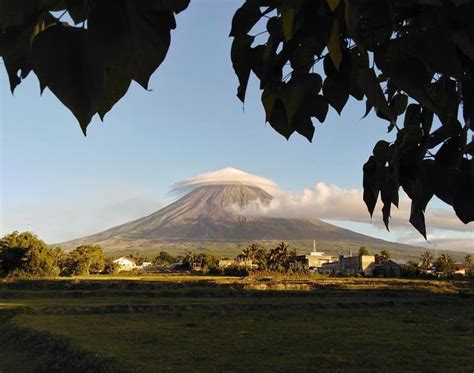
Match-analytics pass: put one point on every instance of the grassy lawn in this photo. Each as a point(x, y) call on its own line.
point(217, 324)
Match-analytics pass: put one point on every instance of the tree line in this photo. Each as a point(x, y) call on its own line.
point(25, 255)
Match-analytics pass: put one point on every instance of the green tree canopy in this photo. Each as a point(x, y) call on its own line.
point(164, 258)
point(281, 256)
point(384, 256)
point(24, 254)
point(84, 260)
point(363, 251)
point(409, 61)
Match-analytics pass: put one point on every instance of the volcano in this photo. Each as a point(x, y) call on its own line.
point(210, 214)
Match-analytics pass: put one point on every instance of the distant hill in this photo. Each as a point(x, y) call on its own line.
point(205, 216)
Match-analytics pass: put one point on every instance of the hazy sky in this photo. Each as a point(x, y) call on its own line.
point(61, 185)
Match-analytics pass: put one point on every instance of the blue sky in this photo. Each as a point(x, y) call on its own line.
point(190, 122)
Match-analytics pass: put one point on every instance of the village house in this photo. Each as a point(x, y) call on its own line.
point(239, 260)
point(224, 263)
point(350, 266)
point(460, 269)
point(125, 264)
point(389, 268)
point(315, 259)
point(144, 265)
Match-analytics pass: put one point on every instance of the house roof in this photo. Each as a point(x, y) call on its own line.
point(399, 261)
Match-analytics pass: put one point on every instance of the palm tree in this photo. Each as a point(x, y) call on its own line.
point(281, 255)
point(468, 261)
point(251, 251)
point(190, 258)
point(384, 256)
point(426, 260)
point(445, 263)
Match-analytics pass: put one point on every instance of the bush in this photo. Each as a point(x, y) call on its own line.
point(216, 270)
point(110, 267)
point(298, 268)
point(236, 270)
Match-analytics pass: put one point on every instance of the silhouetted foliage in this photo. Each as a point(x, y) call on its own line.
point(410, 61)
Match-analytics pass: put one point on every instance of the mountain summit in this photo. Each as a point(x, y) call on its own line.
point(208, 213)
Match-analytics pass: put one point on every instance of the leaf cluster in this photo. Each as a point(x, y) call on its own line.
point(412, 62)
point(90, 64)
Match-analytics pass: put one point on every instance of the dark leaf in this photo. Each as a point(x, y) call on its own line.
point(426, 120)
point(134, 39)
point(288, 17)
point(78, 9)
point(335, 93)
point(451, 152)
point(417, 218)
point(16, 12)
point(317, 106)
point(381, 151)
point(117, 85)
point(297, 89)
point(242, 60)
point(412, 117)
point(275, 28)
point(371, 88)
point(17, 48)
point(62, 62)
point(371, 184)
point(279, 120)
point(464, 198)
point(304, 127)
point(445, 97)
point(389, 194)
point(468, 102)
point(269, 96)
point(334, 44)
point(245, 18)
point(368, 108)
point(452, 128)
point(399, 103)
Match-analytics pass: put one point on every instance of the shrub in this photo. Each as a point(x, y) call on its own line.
point(216, 270)
point(236, 270)
point(110, 267)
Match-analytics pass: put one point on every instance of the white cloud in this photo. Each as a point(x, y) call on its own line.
point(336, 203)
point(227, 175)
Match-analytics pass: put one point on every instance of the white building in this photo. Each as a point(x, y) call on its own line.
point(144, 265)
point(125, 263)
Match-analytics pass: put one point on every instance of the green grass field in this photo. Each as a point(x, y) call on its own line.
point(204, 323)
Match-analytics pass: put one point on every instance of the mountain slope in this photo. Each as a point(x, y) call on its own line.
point(208, 214)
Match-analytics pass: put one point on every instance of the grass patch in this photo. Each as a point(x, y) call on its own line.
point(230, 324)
